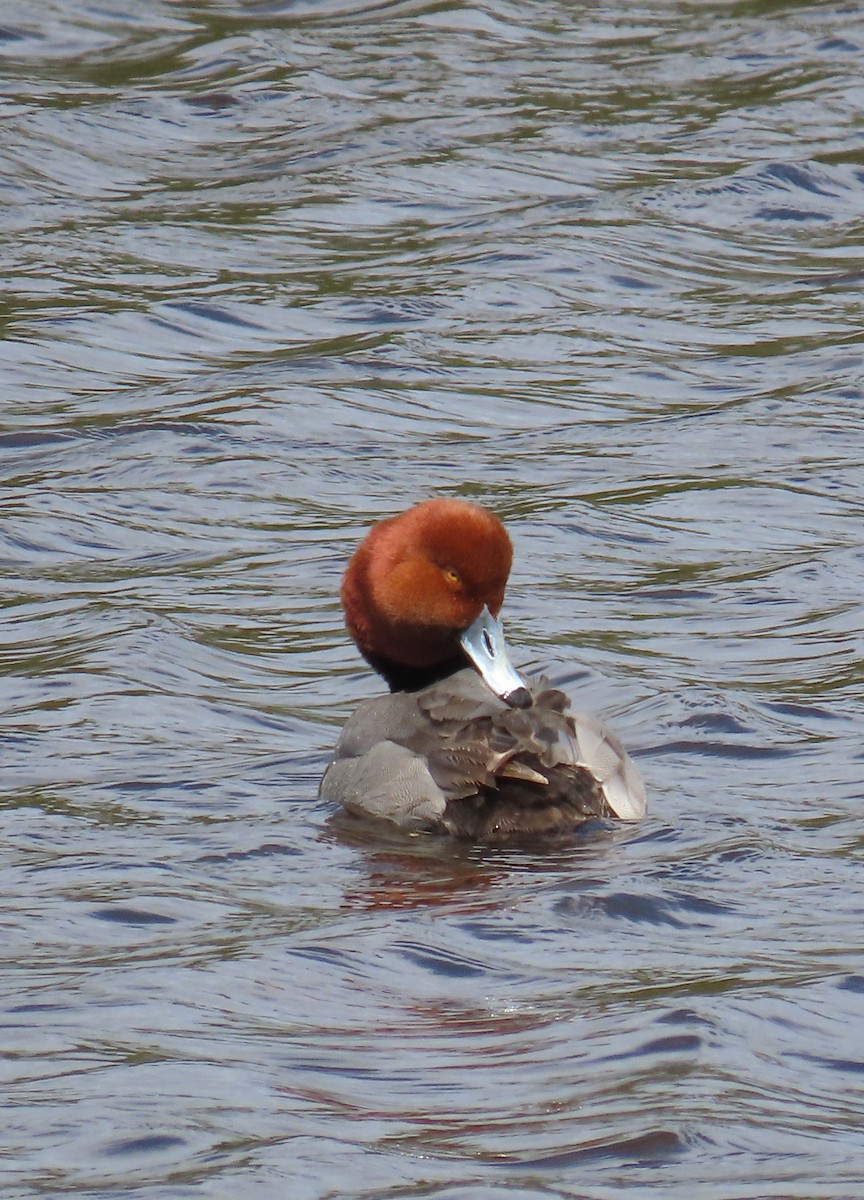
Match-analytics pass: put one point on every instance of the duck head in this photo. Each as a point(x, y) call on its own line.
point(422, 595)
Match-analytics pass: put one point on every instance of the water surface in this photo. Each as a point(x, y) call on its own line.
point(273, 271)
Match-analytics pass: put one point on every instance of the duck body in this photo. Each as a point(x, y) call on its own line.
point(475, 751)
point(454, 758)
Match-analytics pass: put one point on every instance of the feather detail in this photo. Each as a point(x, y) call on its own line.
point(517, 770)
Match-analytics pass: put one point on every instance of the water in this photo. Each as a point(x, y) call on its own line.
point(273, 271)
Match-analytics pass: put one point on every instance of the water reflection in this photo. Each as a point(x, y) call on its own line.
point(421, 871)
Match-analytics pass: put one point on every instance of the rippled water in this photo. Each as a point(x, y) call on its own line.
point(273, 271)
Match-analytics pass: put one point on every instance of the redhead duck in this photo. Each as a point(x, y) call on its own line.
point(463, 744)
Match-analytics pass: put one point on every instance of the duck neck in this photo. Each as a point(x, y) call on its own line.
point(400, 678)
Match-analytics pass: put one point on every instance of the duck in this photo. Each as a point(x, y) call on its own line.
point(463, 744)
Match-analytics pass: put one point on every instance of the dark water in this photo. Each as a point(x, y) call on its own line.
point(275, 270)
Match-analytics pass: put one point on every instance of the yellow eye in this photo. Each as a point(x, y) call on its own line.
point(452, 576)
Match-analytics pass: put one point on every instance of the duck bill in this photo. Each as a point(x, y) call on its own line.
point(484, 644)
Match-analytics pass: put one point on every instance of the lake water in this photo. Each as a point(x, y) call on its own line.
point(273, 271)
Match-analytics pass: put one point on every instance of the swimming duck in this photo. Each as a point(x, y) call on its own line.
point(463, 744)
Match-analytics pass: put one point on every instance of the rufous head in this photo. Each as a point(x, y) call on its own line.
point(419, 580)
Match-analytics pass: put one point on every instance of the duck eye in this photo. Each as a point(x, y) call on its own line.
point(452, 576)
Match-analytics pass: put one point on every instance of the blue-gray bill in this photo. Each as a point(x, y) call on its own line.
point(484, 643)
